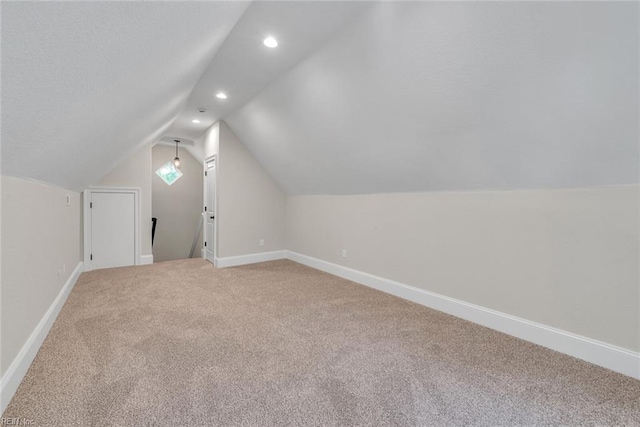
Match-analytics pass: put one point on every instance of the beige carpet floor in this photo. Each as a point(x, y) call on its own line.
point(182, 343)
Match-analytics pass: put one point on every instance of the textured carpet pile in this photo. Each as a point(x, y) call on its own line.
point(182, 343)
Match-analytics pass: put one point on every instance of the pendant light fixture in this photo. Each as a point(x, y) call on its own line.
point(176, 161)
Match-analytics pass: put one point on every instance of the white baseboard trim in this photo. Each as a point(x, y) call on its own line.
point(617, 359)
point(146, 259)
point(18, 368)
point(233, 261)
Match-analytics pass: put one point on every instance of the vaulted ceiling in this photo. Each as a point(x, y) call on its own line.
point(85, 84)
point(359, 97)
point(457, 96)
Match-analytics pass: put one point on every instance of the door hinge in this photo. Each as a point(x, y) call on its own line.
point(91, 257)
point(90, 205)
point(205, 173)
point(205, 243)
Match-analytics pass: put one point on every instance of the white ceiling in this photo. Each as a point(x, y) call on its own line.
point(359, 97)
point(457, 96)
point(85, 84)
point(243, 66)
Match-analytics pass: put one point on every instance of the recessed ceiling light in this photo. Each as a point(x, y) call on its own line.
point(270, 42)
point(195, 121)
point(221, 95)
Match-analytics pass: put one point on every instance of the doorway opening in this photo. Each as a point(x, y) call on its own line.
point(176, 203)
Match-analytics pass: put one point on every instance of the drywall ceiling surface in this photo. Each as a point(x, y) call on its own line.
point(85, 84)
point(243, 65)
point(456, 96)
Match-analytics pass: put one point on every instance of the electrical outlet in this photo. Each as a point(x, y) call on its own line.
point(261, 242)
point(344, 253)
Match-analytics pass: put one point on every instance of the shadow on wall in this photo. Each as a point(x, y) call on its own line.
point(178, 207)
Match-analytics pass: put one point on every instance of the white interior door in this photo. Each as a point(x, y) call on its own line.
point(211, 212)
point(112, 229)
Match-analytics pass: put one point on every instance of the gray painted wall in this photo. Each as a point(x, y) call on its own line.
point(250, 205)
point(563, 258)
point(40, 235)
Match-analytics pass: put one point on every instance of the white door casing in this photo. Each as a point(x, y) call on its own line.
point(210, 249)
point(111, 227)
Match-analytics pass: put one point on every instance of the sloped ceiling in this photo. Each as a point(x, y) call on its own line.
point(243, 66)
point(457, 96)
point(85, 84)
point(358, 97)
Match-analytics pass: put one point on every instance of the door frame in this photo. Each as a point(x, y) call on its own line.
point(206, 203)
point(86, 198)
